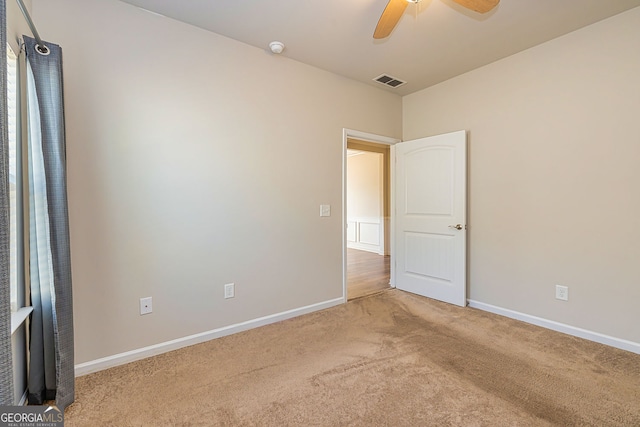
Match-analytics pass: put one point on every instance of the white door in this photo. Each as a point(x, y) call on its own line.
point(430, 228)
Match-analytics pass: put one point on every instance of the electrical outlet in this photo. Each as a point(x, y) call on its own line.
point(146, 305)
point(229, 290)
point(325, 210)
point(562, 293)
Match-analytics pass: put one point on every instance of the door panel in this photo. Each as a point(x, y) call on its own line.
point(431, 201)
point(432, 164)
point(424, 256)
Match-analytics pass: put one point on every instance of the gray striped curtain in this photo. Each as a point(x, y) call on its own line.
point(51, 368)
point(6, 365)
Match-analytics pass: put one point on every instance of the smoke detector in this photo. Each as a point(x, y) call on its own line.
point(276, 47)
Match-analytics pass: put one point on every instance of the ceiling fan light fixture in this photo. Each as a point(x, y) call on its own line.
point(394, 10)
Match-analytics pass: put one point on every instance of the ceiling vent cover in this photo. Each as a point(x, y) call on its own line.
point(390, 81)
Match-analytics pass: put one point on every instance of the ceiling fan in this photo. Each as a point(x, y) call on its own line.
point(395, 8)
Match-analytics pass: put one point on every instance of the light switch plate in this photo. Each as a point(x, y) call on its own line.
point(325, 210)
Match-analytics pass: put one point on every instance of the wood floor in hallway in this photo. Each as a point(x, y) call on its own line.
point(367, 273)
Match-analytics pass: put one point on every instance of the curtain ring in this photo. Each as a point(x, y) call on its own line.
point(42, 50)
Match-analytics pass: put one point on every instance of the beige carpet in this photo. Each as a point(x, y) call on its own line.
point(391, 359)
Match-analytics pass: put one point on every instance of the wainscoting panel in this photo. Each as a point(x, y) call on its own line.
point(366, 234)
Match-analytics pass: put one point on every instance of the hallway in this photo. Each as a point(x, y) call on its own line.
point(367, 273)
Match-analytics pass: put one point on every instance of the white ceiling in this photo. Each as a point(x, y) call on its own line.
point(434, 41)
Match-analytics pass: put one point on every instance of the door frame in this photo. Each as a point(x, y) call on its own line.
point(382, 140)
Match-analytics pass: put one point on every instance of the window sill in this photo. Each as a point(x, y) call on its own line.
point(18, 317)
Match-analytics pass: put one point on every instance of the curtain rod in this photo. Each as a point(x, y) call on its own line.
point(40, 47)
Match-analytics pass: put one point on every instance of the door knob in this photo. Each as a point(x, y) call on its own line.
point(457, 226)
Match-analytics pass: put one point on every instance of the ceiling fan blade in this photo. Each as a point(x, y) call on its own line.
point(480, 6)
point(389, 18)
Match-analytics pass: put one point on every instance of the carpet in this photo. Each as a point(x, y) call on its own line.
point(390, 359)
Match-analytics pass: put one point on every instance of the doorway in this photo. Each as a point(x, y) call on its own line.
point(428, 180)
point(368, 250)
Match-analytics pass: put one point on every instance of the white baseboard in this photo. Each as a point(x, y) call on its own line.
point(622, 344)
point(364, 247)
point(153, 350)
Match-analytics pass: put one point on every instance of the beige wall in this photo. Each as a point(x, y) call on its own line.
point(554, 147)
point(188, 168)
point(364, 185)
point(195, 161)
point(16, 24)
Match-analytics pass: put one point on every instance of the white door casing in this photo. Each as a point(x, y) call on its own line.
point(378, 139)
point(430, 220)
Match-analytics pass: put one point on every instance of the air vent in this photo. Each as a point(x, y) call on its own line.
point(390, 81)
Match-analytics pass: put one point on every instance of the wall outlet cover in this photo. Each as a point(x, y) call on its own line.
point(229, 290)
point(146, 305)
point(562, 293)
